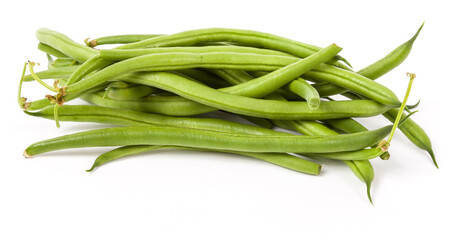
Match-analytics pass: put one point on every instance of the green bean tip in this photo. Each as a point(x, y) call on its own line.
point(26, 155)
point(92, 168)
point(385, 156)
point(432, 155)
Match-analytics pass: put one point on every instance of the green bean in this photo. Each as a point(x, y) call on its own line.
point(283, 160)
point(63, 62)
point(254, 107)
point(119, 39)
point(204, 77)
point(298, 87)
point(379, 68)
point(252, 62)
point(391, 61)
point(125, 91)
point(121, 117)
point(65, 45)
point(55, 73)
point(188, 137)
point(92, 64)
point(123, 54)
point(243, 37)
point(50, 50)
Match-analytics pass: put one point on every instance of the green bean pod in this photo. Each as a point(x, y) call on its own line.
point(65, 45)
point(125, 91)
point(188, 137)
point(54, 73)
point(119, 39)
point(280, 159)
point(121, 117)
point(213, 99)
point(123, 54)
point(248, 62)
point(50, 50)
point(242, 37)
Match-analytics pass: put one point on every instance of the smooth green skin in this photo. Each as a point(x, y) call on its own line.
point(91, 113)
point(378, 68)
point(240, 61)
point(65, 45)
point(410, 129)
point(176, 61)
point(204, 77)
point(270, 109)
point(91, 65)
point(120, 39)
point(123, 54)
point(414, 133)
point(54, 73)
point(283, 160)
point(86, 113)
point(304, 90)
point(129, 92)
point(63, 62)
point(188, 137)
point(298, 87)
point(390, 61)
point(50, 50)
point(242, 37)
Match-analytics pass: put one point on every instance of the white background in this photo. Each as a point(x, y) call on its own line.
point(184, 195)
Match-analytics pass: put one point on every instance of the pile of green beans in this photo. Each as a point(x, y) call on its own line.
point(221, 90)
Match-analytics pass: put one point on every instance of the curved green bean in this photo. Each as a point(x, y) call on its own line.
point(280, 159)
point(123, 54)
point(65, 45)
point(188, 137)
point(242, 37)
point(119, 39)
point(252, 62)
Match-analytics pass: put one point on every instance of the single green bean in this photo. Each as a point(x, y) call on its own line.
point(50, 50)
point(121, 117)
point(188, 137)
point(123, 54)
point(65, 45)
point(126, 91)
point(55, 73)
point(119, 39)
point(283, 160)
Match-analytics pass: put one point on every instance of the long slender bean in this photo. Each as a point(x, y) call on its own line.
point(188, 137)
point(173, 61)
point(65, 45)
point(119, 39)
point(280, 159)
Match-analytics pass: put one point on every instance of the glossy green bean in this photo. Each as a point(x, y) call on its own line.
point(242, 37)
point(119, 39)
point(378, 68)
point(122, 117)
point(50, 50)
point(125, 91)
point(255, 107)
point(65, 45)
point(55, 73)
point(188, 137)
point(283, 160)
point(252, 62)
point(122, 54)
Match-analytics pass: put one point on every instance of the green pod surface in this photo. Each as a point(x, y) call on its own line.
point(188, 137)
point(280, 159)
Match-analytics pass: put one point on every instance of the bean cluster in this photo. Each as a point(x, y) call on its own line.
point(172, 91)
